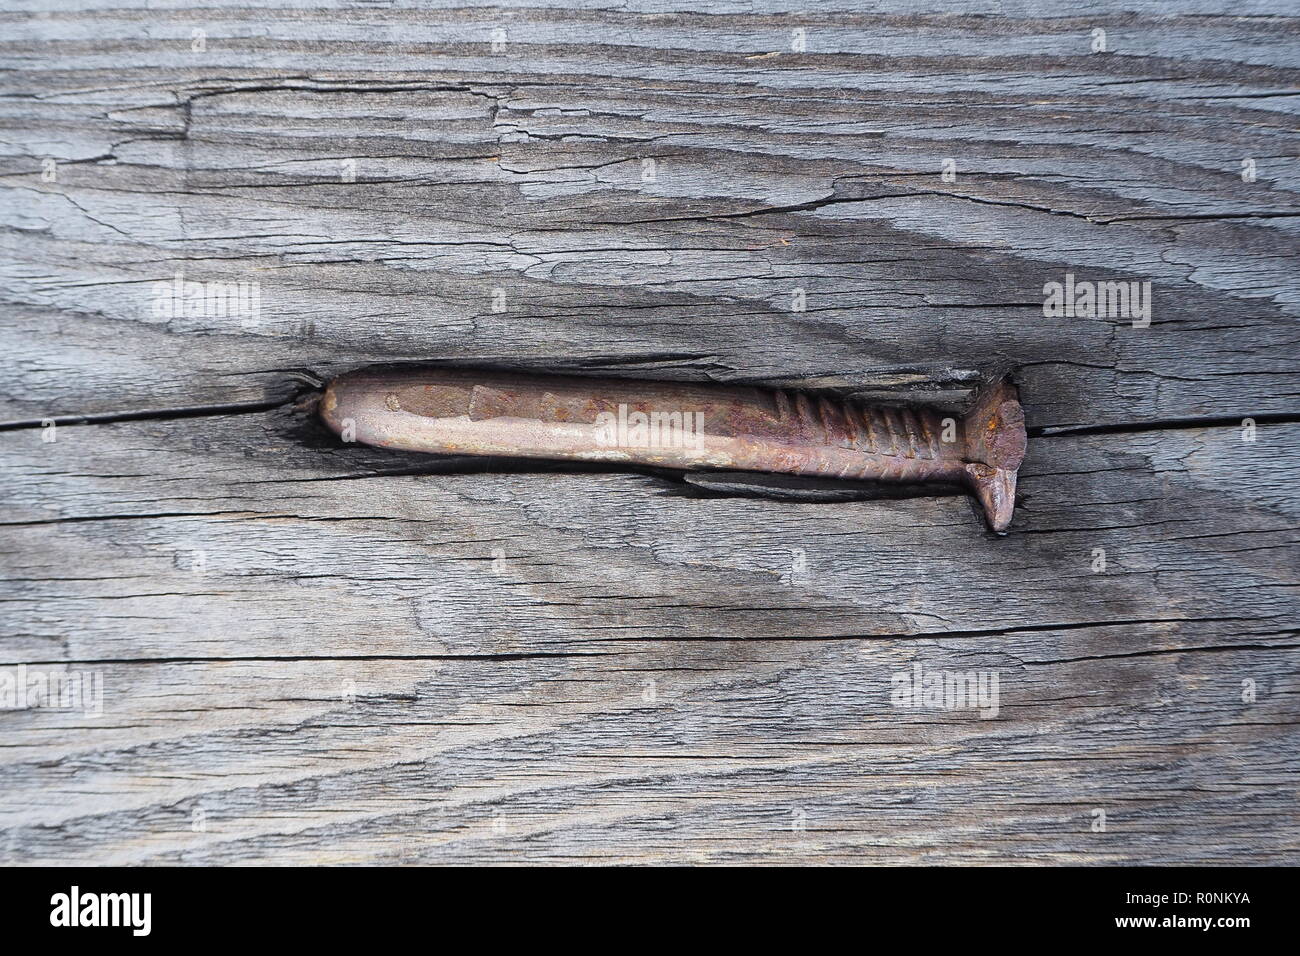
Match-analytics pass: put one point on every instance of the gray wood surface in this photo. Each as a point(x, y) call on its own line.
point(317, 652)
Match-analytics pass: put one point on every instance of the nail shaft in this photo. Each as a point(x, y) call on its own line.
point(672, 425)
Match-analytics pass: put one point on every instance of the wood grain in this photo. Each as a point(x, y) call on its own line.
point(317, 652)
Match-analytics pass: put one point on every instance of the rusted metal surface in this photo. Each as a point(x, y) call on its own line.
point(672, 425)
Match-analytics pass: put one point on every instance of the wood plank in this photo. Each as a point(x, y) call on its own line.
point(686, 752)
point(521, 175)
point(509, 713)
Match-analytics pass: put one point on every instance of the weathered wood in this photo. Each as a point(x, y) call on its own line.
point(339, 654)
point(773, 171)
point(501, 705)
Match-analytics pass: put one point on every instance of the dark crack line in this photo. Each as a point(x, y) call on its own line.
point(166, 414)
point(307, 659)
point(1166, 424)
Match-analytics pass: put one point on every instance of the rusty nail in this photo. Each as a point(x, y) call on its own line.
point(690, 427)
